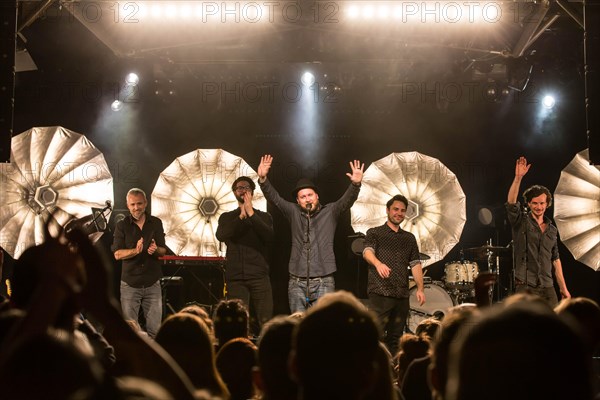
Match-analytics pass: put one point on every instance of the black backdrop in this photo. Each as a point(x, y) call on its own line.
point(477, 138)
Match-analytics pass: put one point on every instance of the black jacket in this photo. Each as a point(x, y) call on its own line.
point(247, 241)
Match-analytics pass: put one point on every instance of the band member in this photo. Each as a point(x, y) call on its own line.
point(312, 260)
point(248, 233)
point(139, 240)
point(391, 251)
point(535, 240)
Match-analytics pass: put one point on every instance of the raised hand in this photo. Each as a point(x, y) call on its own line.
point(264, 166)
point(97, 296)
point(521, 167)
point(65, 267)
point(357, 171)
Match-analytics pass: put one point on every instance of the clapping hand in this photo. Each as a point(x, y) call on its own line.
point(139, 245)
point(247, 205)
point(152, 248)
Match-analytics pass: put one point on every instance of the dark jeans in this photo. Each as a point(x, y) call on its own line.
point(548, 294)
point(258, 297)
point(392, 313)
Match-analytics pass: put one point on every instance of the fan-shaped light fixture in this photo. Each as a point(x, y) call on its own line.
point(53, 171)
point(577, 209)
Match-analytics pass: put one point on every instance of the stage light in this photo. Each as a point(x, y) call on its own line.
point(398, 12)
point(491, 216)
point(171, 11)
point(382, 12)
point(485, 216)
point(307, 79)
point(353, 12)
point(185, 11)
point(156, 11)
point(132, 79)
point(368, 12)
point(116, 105)
point(548, 102)
point(491, 92)
point(142, 10)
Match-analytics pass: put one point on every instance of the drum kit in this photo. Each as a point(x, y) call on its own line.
point(457, 286)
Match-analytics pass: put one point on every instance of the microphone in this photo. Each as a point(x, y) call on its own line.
point(439, 315)
point(308, 206)
point(108, 206)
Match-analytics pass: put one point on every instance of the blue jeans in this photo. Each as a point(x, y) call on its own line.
point(150, 298)
point(258, 297)
point(317, 287)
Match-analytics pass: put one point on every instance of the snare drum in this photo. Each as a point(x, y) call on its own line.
point(437, 303)
point(460, 275)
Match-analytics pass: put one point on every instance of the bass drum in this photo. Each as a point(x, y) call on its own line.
point(437, 303)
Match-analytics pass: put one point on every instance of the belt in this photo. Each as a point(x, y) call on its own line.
point(311, 278)
point(538, 286)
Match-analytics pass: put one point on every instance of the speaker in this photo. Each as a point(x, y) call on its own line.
point(8, 35)
point(173, 296)
point(591, 17)
point(117, 214)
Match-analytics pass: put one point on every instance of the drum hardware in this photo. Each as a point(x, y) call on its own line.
point(421, 314)
point(437, 303)
point(411, 281)
point(487, 249)
point(491, 254)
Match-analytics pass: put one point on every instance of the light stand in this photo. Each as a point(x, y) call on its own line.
point(307, 244)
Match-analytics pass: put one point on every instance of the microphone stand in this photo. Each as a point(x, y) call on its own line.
point(101, 213)
point(307, 243)
point(526, 258)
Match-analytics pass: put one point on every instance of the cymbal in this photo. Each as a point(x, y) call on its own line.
point(487, 248)
point(423, 257)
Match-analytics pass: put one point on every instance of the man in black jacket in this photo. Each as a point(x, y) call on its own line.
point(248, 232)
